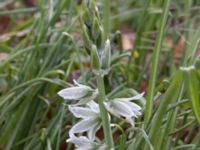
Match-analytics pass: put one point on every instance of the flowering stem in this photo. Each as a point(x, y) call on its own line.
point(106, 17)
point(104, 114)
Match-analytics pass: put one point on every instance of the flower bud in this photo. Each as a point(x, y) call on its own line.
point(95, 59)
point(106, 56)
point(86, 38)
point(100, 39)
point(96, 12)
point(87, 19)
point(95, 29)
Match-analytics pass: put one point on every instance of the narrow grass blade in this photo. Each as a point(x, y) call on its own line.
point(155, 59)
point(170, 96)
point(193, 88)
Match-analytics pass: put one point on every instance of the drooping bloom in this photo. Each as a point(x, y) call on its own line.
point(83, 143)
point(91, 120)
point(81, 93)
point(124, 107)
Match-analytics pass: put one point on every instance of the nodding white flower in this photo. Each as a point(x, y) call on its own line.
point(80, 92)
point(91, 120)
point(124, 107)
point(83, 143)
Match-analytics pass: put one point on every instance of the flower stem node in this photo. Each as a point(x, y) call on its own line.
point(187, 69)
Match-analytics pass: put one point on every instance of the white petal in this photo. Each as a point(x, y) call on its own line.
point(82, 126)
point(139, 96)
point(121, 108)
point(93, 130)
point(87, 99)
point(94, 106)
point(110, 108)
point(103, 147)
point(137, 113)
point(82, 112)
point(130, 120)
point(81, 142)
point(132, 105)
point(75, 93)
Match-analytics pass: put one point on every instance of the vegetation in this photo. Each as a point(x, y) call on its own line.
point(142, 54)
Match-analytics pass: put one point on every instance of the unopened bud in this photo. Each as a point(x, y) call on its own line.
point(106, 56)
point(95, 29)
point(96, 12)
point(101, 37)
point(95, 58)
point(87, 19)
point(86, 38)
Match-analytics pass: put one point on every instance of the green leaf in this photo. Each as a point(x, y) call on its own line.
point(192, 80)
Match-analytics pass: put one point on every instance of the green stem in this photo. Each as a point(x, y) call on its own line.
point(104, 114)
point(106, 17)
point(155, 60)
point(187, 7)
point(170, 96)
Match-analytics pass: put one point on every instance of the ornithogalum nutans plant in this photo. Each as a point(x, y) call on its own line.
point(94, 109)
point(92, 105)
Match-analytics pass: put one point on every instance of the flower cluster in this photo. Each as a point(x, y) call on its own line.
point(93, 115)
point(88, 111)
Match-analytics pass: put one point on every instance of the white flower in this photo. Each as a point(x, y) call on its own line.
point(83, 143)
point(80, 92)
point(91, 120)
point(124, 107)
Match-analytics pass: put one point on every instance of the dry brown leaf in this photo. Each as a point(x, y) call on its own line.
point(127, 38)
point(178, 50)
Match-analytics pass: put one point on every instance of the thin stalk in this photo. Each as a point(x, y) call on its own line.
point(155, 59)
point(186, 125)
point(147, 28)
point(106, 17)
point(188, 7)
point(17, 11)
point(190, 50)
point(170, 96)
point(179, 134)
point(171, 123)
point(171, 120)
point(104, 114)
